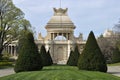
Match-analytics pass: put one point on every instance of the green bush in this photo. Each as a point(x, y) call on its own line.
point(6, 56)
point(92, 58)
point(29, 58)
point(73, 58)
point(46, 58)
point(70, 59)
point(50, 62)
point(5, 63)
point(1, 57)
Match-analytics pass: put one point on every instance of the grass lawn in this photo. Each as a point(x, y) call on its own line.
point(115, 64)
point(60, 73)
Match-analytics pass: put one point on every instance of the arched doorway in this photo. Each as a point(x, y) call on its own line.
point(60, 55)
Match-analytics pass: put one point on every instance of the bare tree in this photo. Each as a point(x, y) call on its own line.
point(106, 45)
point(116, 28)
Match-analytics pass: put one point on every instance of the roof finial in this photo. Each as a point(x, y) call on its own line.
point(60, 3)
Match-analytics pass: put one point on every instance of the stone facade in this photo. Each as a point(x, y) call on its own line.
point(108, 33)
point(12, 49)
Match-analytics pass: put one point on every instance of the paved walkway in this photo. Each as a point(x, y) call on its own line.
point(5, 72)
point(115, 70)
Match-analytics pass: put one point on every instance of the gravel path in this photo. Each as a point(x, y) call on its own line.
point(115, 70)
point(5, 72)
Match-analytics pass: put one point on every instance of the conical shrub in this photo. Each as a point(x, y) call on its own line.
point(50, 62)
point(73, 58)
point(29, 58)
point(46, 58)
point(70, 59)
point(92, 58)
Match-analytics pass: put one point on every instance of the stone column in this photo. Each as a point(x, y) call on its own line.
point(53, 36)
point(62, 35)
point(68, 49)
point(15, 51)
point(67, 36)
point(11, 50)
point(8, 49)
point(58, 35)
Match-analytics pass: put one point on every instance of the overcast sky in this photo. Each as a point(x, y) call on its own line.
point(87, 15)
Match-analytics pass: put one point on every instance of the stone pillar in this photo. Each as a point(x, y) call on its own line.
point(68, 36)
point(53, 36)
point(68, 49)
point(11, 50)
point(15, 51)
point(8, 49)
point(58, 35)
point(62, 35)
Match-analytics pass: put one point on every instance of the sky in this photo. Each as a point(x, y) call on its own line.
point(87, 15)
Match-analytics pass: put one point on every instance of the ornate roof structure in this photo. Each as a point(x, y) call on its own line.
point(60, 19)
point(108, 33)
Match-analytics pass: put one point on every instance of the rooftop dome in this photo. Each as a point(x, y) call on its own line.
point(60, 18)
point(108, 33)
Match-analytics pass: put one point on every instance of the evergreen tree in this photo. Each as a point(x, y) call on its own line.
point(92, 58)
point(116, 55)
point(50, 62)
point(73, 58)
point(70, 59)
point(43, 55)
point(46, 58)
point(29, 58)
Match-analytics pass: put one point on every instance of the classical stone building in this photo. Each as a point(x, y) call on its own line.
point(60, 39)
point(108, 33)
point(12, 49)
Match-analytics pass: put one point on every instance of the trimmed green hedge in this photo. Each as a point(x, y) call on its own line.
point(29, 58)
point(6, 63)
point(92, 58)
